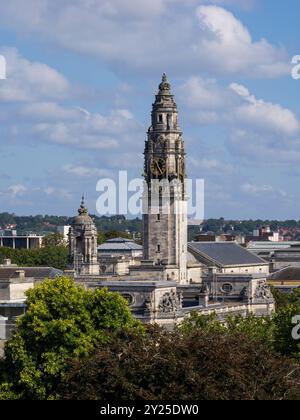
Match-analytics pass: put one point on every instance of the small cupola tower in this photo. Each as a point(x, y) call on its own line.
point(83, 244)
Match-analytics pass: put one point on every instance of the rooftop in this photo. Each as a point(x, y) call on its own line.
point(225, 253)
point(9, 272)
point(120, 244)
point(286, 274)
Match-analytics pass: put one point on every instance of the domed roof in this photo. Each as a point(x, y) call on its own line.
point(83, 217)
point(165, 86)
point(83, 220)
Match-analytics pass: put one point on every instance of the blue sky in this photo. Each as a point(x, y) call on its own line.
point(81, 77)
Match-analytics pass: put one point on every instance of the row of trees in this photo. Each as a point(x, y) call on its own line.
point(246, 227)
point(54, 252)
point(74, 343)
point(50, 256)
point(42, 224)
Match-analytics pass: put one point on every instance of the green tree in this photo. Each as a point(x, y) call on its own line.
point(54, 239)
point(51, 256)
point(256, 328)
point(205, 323)
point(162, 365)
point(101, 238)
point(281, 299)
point(112, 234)
point(62, 321)
point(285, 343)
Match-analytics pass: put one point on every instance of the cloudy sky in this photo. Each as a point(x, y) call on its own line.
point(81, 77)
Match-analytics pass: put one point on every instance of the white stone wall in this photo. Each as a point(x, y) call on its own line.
point(14, 291)
point(246, 270)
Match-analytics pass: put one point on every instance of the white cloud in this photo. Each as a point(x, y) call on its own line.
point(84, 171)
point(264, 115)
point(28, 81)
point(86, 131)
point(243, 4)
point(143, 35)
point(236, 106)
point(38, 112)
point(257, 130)
point(262, 189)
point(211, 165)
point(49, 111)
point(16, 190)
point(56, 192)
point(230, 45)
point(205, 94)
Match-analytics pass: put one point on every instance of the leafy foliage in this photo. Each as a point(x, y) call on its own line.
point(62, 321)
point(43, 224)
point(163, 365)
point(50, 256)
point(284, 341)
point(260, 329)
point(54, 239)
point(105, 236)
point(288, 306)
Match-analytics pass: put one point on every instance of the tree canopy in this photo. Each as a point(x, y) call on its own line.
point(162, 365)
point(50, 256)
point(63, 321)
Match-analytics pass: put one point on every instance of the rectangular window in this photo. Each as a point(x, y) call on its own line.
point(158, 248)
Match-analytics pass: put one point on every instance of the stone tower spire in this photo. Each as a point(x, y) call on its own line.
point(82, 209)
point(165, 232)
point(83, 255)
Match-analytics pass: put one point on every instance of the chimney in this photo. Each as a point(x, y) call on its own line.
point(19, 274)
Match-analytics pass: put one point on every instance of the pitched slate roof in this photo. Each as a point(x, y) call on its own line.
point(35, 272)
point(119, 244)
point(286, 274)
point(225, 253)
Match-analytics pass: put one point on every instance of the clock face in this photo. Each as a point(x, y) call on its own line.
point(158, 167)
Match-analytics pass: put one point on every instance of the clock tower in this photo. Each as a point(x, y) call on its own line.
point(164, 201)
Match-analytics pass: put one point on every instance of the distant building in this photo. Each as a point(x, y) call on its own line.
point(64, 230)
point(14, 282)
point(117, 255)
point(21, 242)
point(264, 233)
point(120, 247)
point(278, 254)
point(228, 258)
point(286, 280)
point(240, 239)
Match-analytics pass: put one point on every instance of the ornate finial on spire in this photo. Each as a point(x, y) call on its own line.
point(165, 85)
point(82, 210)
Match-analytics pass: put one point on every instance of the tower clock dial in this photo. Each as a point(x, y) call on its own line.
point(158, 167)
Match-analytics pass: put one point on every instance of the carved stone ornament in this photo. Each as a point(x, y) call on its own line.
point(263, 291)
point(170, 302)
